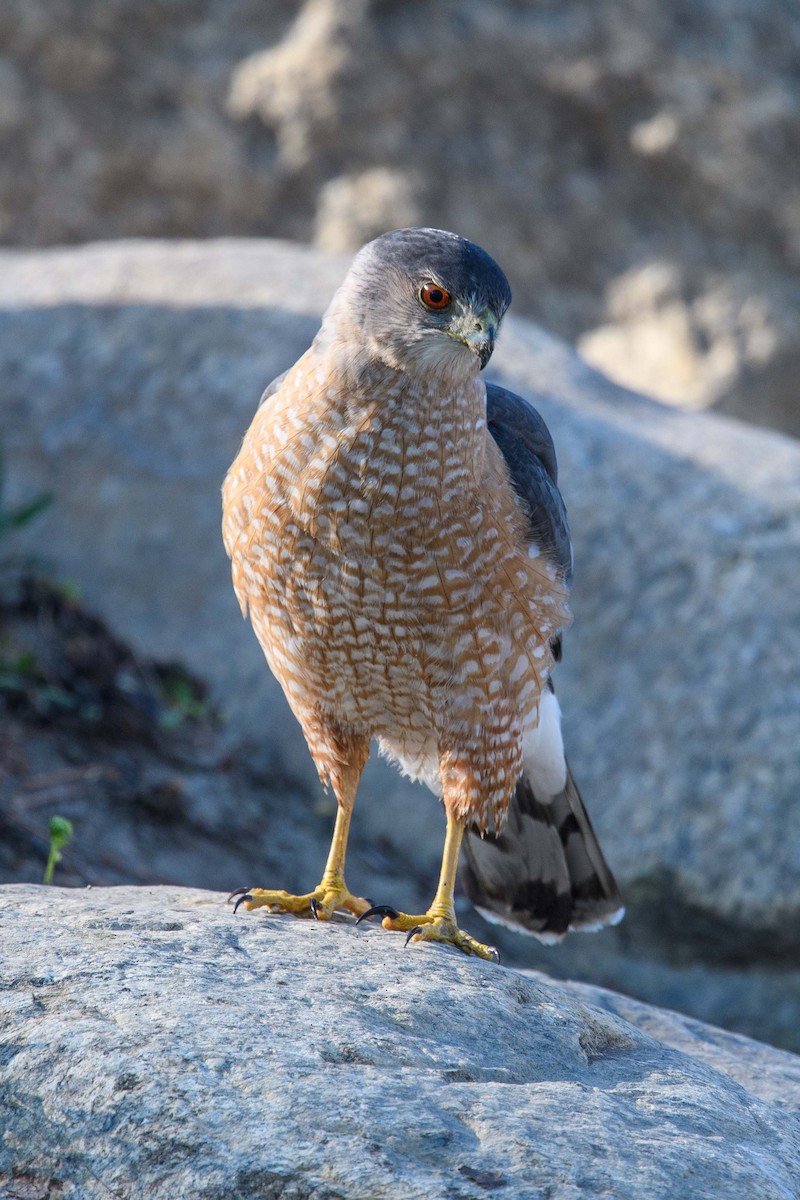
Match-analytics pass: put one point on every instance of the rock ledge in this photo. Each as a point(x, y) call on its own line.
point(152, 1045)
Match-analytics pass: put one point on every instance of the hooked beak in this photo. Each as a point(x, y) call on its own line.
point(478, 331)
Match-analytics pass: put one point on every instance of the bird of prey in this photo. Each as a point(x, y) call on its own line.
point(398, 538)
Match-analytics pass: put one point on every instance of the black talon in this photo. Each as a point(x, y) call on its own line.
point(378, 910)
point(416, 929)
point(495, 953)
point(237, 892)
point(241, 899)
point(316, 908)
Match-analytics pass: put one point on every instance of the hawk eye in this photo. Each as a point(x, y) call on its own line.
point(434, 296)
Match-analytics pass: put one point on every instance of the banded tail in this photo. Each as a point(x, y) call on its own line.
point(545, 873)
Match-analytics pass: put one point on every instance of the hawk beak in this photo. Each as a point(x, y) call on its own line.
point(480, 335)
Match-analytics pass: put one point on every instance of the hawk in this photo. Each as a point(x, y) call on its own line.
point(397, 535)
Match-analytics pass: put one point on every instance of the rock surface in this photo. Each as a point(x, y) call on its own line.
point(633, 163)
point(131, 372)
point(154, 1045)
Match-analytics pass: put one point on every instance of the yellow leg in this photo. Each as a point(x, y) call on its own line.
point(438, 924)
point(331, 893)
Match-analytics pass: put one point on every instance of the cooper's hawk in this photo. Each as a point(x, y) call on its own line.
point(396, 532)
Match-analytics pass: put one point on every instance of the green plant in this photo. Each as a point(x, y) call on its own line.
point(182, 698)
point(15, 672)
point(61, 833)
point(20, 514)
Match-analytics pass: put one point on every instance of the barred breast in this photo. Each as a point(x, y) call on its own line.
point(379, 548)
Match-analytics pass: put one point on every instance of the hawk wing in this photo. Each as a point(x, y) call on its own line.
point(526, 445)
point(544, 873)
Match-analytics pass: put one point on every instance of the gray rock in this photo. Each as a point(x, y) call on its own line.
point(130, 373)
point(114, 124)
point(770, 1076)
point(153, 1045)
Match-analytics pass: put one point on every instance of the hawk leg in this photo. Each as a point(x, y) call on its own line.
point(331, 893)
point(439, 923)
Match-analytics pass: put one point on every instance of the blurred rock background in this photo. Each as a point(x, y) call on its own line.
point(634, 164)
point(634, 167)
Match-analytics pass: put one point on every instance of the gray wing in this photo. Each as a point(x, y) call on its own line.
point(527, 447)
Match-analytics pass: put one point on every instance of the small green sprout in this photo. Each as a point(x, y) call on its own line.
point(181, 698)
point(22, 514)
point(60, 835)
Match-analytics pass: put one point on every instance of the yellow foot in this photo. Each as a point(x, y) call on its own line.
point(430, 927)
point(326, 899)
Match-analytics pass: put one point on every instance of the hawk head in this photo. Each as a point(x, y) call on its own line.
point(421, 300)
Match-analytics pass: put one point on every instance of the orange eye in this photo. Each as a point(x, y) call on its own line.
point(434, 296)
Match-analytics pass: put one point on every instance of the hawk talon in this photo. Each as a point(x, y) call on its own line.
point(237, 892)
point(379, 910)
point(329, 897)
point(439, 926)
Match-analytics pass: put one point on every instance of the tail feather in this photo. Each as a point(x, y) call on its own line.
point(545, 873)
